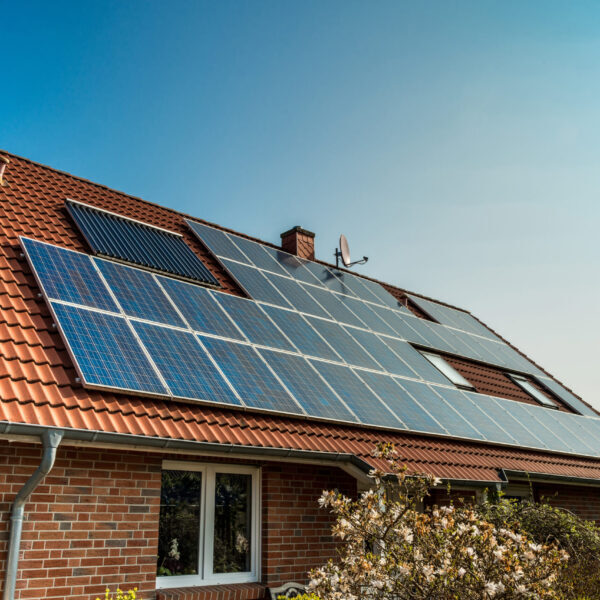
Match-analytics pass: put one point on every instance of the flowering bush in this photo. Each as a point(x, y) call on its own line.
point(391, 550)
point(121, 595)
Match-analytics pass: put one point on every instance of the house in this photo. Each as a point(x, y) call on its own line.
point(175, 396)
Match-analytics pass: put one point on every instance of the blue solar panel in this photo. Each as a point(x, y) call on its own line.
point(433, 339)
point(326, 277)
point(112, 235)
point(475, 415)
point(304, 337)
point(416, 361)
point(410, 412)
point(296, 295)
point(199, 308)
point(358, 397)
point(332, 304)
point(67, 275)
point(501, 412)
point(255, 284)
point(403, 328)
point(355, 286)
point(217, 241)
point(258, 257)
point(292, 265)
point(566, 396)
point(345, 345)
point(106, 352)
point(382, 294)
point(184, 365)
point(138, 293)
point(382, 353)
point(455, 423)
point(308, 388)
point(255, 324)
point(366, 314)
point(587, 430)
point(247, 372)
point(339, 282)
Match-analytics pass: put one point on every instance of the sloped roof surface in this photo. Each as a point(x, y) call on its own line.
point(37, 378)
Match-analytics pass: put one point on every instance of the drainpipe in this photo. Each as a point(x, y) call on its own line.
point(50, 441)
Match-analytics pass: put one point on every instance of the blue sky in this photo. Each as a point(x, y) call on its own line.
point(454, 143)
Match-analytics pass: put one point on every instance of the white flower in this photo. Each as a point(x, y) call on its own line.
point(174, 551)
point(461, 571)
point(491, 588)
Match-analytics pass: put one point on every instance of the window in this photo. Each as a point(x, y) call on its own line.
point(209, 525)
point(530, 389)
point(448, 370)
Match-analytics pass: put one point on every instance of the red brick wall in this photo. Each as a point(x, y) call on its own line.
point(583, 501)
point(93, 521)
point(296, 532)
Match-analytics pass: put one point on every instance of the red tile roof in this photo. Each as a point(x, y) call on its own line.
point(37, 377)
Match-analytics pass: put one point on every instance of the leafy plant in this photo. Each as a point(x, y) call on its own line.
point(121, 595)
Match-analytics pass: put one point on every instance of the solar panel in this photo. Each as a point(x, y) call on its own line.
point(307, 387)
point(304, 337)
point(331, 303)
point(454, 423)
point(250, 376)
point(184, 365)
point(106, 352)
point(254, 323)
point(357, 396)
point(296, 295)
point(67, 275)
point(217, 241)
point(381, 352)
point(384, 296)
point(325, 276)
point(410, 412)
point(475, 414)
point(115, 236)
point(355, 285)
point(401, 325)
point(292, 265)
point(452, 317)
point(416, 361)
point(366, 314)
point(199, 308)
point(255, 284)
point(344, 344)
point(501, 412)
point(138, 293)
point(432, 338)
point(566, 396)
point(258, 257)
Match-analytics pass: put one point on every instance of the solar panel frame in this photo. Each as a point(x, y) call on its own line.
point(356, 395)
point(255, 283)
point(308, 341)
point(567, 397)
point(185, 365)
point(292, 265)
point(58, 272)
point(333, 305)
point(217, 241)
point(367, 315)
point(103, 346)
point(253, 322)
point(113, 235)
point(257, 256)
point(307, 386)
point(199, 308)
point(251, 377)
point(343, 343)
point(138, 293)
point(296, 295)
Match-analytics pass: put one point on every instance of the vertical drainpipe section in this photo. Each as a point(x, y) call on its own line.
point(50, 441)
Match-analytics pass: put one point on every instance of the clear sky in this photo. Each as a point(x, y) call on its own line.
point(457, 144)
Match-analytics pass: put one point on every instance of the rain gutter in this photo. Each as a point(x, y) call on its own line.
point(548, 478)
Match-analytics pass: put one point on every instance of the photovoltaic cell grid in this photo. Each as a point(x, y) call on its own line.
point(112, 235)
point(118, 351)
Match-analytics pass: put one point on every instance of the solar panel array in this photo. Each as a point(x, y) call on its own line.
point(110, 234)
point(177, 339)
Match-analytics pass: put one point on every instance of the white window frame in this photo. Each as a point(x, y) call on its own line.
point(448, 371)
point(207, 519)
point(527, 386)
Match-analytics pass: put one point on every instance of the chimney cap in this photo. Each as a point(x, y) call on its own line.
point(297, 229)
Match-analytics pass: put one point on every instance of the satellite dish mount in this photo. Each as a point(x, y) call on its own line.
point(343, 252)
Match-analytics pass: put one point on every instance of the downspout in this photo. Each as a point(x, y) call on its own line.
point(50, 441)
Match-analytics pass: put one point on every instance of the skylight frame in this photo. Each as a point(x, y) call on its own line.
point(527, 386)
point(448, 371)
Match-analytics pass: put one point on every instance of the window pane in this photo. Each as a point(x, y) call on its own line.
point(233, 495)
point(179, 527)
point(448, 370)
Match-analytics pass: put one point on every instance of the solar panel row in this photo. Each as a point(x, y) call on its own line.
point(159, 336)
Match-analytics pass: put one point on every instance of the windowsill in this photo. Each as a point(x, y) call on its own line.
point(232, 591)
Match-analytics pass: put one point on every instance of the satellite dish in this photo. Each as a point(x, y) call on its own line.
point(343, 252)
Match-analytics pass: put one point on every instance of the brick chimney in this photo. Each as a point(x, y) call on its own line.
point(300, 242)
